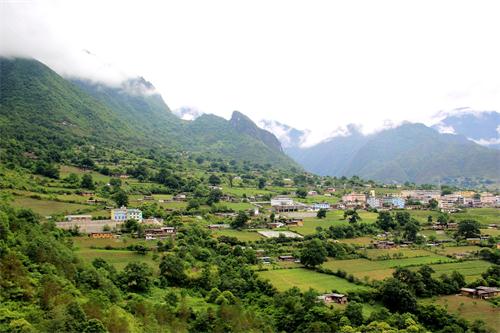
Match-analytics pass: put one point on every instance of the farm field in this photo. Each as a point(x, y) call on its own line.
point(439, 234)
point(457, 249)
point(357, 241)
point(87, 242)
point(249, 191)
point(48, 207)
point(245, 236)
point(471, 269)
point(284, 279)
point(469, 308)
point(491, 232)
point(374, 254)
point(332, 218)
point(118, 258)
point(236, 206)
point(65, 170)
point(378, 269)
point(484, 216)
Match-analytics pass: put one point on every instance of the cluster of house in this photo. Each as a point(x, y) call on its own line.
point(405, 198)
point(284, 204)
point(480, 292)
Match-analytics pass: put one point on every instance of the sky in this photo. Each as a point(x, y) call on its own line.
point(316, 65)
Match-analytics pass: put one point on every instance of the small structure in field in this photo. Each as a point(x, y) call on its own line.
point(101, 235)
point(218, 226)
point(481, 292)
point(286, 258)
point(160, 233)
point(333, 298)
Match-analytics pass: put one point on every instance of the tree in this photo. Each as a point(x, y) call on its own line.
point(214, 180)
point(214, 196)
point(396, 296)
point(262, 183)
point(354, 311)
point(385, 221)
point(95, 326)
point(352, 216)
point(468, 228)
point(240, 220)
point(433, 203)
point(172, 270)
point(321, 213)
point(411, 229)
point(402, 218)
point(443, 219)
point(136, 277)
point(313, 253)
point(301, 193)
point(121, 198)
point(87, 182)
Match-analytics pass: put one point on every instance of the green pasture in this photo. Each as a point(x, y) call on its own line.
point(47, 207)
point(469, 308)
point(284, 279)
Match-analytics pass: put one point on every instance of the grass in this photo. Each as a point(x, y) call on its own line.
point(379, 269)
point(245, 236)
point(357, 240)
point(118, 258)
point(469, 308)
point(484, 216)
point(284, 279)
point(48, 207)
point(449, 250)
point(333, 218)
point(401, 252)
point(470, 269)
point(65, 170)
point(87, 242)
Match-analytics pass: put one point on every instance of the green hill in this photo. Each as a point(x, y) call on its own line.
point(41, 111)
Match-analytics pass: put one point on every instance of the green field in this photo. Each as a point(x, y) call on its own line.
point(47, 207)
point(333, 218)
point(470, 269)
point(118, 258)
point(304, 279)
point(245, 236)
point(484, 216)
point(469, 308)
point(450, 250)
point(396, 253)
point(357, 241)
point(379, 269)
point(87, 242)
point(65, 170)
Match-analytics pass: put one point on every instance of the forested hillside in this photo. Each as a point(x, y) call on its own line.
point(39, 109)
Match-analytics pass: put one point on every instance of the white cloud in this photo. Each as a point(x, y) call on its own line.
point(316, 65)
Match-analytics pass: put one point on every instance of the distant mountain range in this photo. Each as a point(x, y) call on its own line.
point(410, 152)
point(481, 127)
point(39, 108)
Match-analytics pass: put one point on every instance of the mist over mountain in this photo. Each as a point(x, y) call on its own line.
point(187, 113)
point(409, 152)
point(38, 107)
point(482, 127)
point(289, 137)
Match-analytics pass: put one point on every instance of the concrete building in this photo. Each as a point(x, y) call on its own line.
point(124, 213)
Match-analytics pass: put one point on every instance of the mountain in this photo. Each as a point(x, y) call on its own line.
point(288, 136)
point(39, 108)
point(410, 152)
point(481, 127)
point(243, 124)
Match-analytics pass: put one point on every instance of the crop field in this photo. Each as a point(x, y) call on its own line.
point(87, 242)
point(469, 308)
point(249, 191)
point(65, 170)
point(357, 241)
point(379, 269)
point(484, 216)
point(284, 279)
point(457, 249)
point(439, 234)
point(375, 254)
point(245, 236)
point(332, 218)
point(237, 206)
point(471, 269)
point(491, 232)
point(47, 207)
point(118, 258)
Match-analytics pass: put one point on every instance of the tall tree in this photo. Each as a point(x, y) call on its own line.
point(313, 253)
